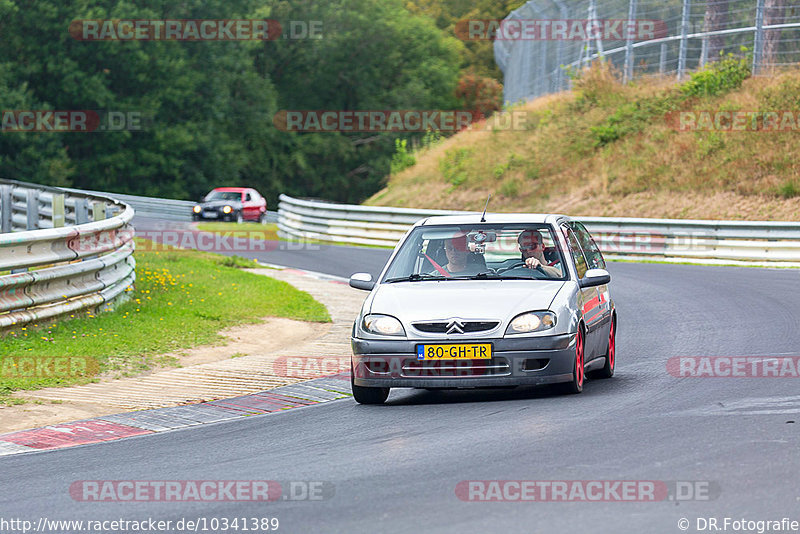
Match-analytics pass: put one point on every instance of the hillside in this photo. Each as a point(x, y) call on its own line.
point(607, 149)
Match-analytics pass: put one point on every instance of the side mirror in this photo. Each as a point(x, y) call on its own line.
point(362, 281)
point(595, 277)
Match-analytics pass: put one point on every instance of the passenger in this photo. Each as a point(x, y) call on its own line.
point(531, 245)
point(458, 256)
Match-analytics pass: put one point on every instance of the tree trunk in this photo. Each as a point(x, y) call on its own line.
point(716, 19)
point(773, 14)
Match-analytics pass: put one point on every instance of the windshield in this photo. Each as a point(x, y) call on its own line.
point(224, 195)
point(478, 251)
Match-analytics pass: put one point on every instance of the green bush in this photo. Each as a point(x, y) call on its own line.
point(455, 165)
point(789, 189)
point(402, 158)
point(718, 78)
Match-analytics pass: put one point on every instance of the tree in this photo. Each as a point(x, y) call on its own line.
point(716, 18)
point(773, 14)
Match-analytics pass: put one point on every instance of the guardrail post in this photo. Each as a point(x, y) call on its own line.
point(758, 43)
point(629, 43)
point(58, 210)
point(81, 211)
point(98, 211)
point(32, 209)
point(687, 6)
point(5, 208)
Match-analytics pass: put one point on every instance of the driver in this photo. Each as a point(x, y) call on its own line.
point(531, 245)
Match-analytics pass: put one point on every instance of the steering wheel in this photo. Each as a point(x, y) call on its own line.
point(522, 264)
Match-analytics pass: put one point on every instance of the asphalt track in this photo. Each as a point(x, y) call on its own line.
point(396, 467)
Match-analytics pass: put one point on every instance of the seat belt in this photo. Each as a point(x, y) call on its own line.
point(438, 267)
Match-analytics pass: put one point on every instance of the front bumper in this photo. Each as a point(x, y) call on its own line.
point(515, 361)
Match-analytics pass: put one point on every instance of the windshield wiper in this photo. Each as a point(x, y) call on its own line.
point(491, 276)
point(414, 278)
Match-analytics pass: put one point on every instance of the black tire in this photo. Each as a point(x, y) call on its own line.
point(611, 354)
point(575, 385)
point(367, 395)
point(239, 218)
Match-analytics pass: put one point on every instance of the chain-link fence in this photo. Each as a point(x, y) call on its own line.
point(688, 34)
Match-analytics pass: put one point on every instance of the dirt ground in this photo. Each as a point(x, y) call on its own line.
point(267, 337)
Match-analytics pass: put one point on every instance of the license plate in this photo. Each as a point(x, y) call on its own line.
point(210, 214)
point(465, 351)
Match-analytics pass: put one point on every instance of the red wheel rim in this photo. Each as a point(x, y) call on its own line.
point(579, 358)
point(611, 347)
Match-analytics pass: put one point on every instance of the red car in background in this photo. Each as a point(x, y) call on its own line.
point(232, 204)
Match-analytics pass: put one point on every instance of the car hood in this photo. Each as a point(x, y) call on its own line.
point(463, 299)
point(220, 203)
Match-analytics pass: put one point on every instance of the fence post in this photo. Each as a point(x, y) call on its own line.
point(629, 43)
point(758, 44)
point(562, 9)
point(687, 5)
point(5, 208)
point(32, 209)
point(598, 41)
point(59, 219)
point(662, 60)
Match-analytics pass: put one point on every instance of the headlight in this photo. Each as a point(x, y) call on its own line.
point(196, 209)
point(531, 322)
point(227, 209)
point(384, 325)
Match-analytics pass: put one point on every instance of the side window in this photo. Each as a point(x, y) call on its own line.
point(248, 197)
point(577, 253)
point(593, 255)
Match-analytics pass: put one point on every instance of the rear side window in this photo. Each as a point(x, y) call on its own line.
point(594, 258)
point(575, 249)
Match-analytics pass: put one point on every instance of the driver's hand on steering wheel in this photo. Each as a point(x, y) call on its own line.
point(532, 263)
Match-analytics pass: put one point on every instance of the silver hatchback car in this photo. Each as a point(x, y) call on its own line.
point(470, 301)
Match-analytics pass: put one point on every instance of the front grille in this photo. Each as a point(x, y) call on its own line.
point(413, 368)
point(470, 327)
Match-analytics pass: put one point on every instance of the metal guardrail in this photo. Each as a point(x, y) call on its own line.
point(161, 208)
point(61, 251)
point(672, 239)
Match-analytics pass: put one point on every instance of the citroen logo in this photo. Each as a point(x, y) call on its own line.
point(455, 327)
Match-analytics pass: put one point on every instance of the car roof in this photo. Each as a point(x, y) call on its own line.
point(231, 189)
point(495, 218)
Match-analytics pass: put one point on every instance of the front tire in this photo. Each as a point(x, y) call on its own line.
point(611, 353)
point(367, 395)
point(575, 385)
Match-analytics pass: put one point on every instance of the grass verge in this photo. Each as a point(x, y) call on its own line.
point(182, 299)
